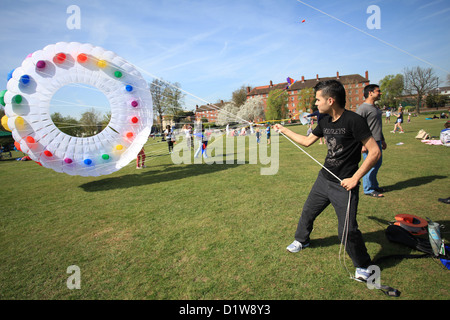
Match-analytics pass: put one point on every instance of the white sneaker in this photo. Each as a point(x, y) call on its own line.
point(296, 246)
point(362, 274)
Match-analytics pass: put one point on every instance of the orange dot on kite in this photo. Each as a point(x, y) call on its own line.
point(82, 58)
point(130, 135)
point(48, 153)
point(30, 139)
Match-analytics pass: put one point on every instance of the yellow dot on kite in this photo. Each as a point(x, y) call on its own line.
point(102, 64)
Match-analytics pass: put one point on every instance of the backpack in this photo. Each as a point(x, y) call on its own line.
point(398, 234)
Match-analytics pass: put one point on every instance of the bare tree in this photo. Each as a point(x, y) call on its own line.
point(173, 100)
point(419, 82)
point(91, 122)
point(239, 96)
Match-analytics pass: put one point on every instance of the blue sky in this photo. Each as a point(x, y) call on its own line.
point(213, 47)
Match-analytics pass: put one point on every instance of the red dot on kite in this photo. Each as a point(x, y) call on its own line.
point(303, 20)
point(59, 58)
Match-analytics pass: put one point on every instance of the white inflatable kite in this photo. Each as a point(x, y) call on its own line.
point(32, 86)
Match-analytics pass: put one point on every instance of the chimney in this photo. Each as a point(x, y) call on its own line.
point(271, 83)
point(221, 101)
point(303, 79)
point(196, 106)
point(337, 75)
point(317, 77)
point(248, 89)
point(367, 75)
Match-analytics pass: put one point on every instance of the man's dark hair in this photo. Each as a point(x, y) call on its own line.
point(332, 89)
point(369, 88)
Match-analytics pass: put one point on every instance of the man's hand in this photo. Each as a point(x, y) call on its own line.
point(349, 183)
point(383, 145)
point(278, 127)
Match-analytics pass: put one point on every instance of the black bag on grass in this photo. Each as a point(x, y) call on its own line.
point(400, 235)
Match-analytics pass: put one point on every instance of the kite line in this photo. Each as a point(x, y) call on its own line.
point(370, 35)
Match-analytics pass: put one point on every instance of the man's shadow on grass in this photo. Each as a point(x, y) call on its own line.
point(148, 176)
point(388, 248)
point(413, 182)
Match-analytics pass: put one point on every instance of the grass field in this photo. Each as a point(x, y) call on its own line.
point(199, 231)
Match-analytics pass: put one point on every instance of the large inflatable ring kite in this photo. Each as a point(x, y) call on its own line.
point(32, 86)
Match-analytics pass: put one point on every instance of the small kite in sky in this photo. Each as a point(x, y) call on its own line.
point(290, 82)
point(303, 20)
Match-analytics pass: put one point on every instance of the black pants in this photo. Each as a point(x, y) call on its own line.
point(322, 194)
point(170, 144)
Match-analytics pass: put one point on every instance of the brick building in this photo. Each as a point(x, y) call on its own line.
point(208, 111)
point(354, 86)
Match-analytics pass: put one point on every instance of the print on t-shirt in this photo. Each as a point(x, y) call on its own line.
point(334, 151)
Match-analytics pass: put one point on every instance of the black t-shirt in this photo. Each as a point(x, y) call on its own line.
point(343, 139)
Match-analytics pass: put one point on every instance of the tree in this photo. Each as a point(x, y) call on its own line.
point(436, 100)
point(392, 87)
point(306, 99)
point(90, 122)
point(420, 81)
point(228, 114)
point(239, 96)
point(157, 88)
point(172, 101)
point(106, 119)
point(67, 125)
point(252, 109)
point(276, 105)
point(72, 127)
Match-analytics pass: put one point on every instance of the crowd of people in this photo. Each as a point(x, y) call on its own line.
point(200, 137)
